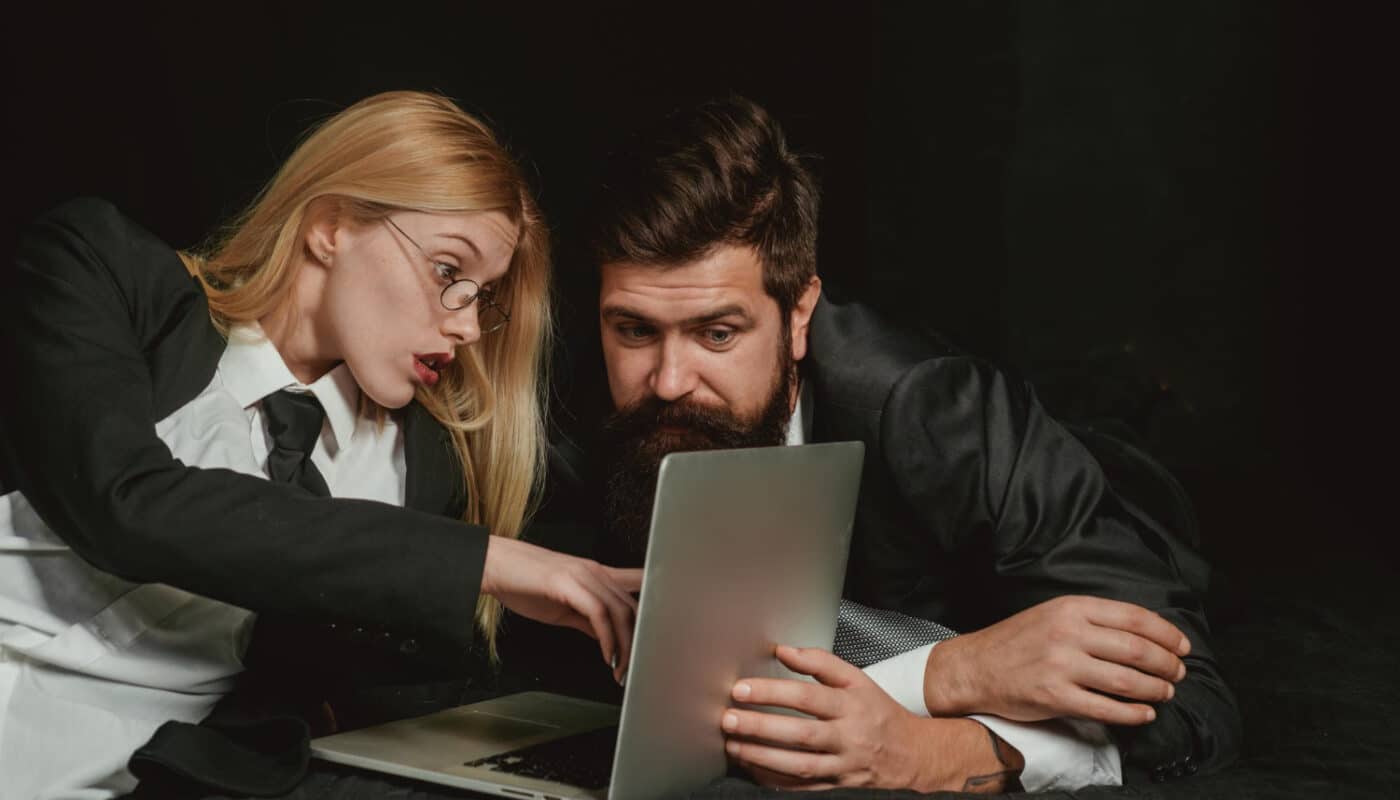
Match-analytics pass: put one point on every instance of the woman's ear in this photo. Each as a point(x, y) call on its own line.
point(322, 220)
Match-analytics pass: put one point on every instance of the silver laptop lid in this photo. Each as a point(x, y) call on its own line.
point(747, 550)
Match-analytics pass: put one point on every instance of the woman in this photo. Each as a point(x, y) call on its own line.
point(373, 328)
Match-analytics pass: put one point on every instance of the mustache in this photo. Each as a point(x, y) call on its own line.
point(717, 426)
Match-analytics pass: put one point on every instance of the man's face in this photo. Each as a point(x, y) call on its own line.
point(704, 334)
point(699, 357)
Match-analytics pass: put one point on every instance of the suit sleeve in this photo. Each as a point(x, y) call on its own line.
point(90, 297)
point(992, 471)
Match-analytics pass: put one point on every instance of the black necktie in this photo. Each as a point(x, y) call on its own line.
point(866, 635)
point(294, 422)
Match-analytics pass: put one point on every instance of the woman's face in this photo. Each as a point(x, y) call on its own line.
point(381, 305)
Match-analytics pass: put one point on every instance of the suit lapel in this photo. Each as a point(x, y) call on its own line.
point(434, 480)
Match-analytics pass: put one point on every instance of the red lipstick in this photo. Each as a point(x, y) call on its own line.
point(428, 366)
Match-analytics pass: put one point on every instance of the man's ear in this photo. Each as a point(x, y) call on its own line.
point(322, 220)
point(802, 317)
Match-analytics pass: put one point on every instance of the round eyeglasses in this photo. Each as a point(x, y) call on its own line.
point(459, 293)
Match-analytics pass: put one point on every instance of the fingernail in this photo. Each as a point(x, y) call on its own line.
point(1184, 647)
point(731, 747)
point(1181, 672)
point(731, 720)
point(622, 679)
point(613, 663)
point(1151, 714)
point(742, 690)
point(1171, 691)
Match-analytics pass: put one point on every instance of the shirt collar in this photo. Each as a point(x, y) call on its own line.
point(253, 369)
point(799, 428)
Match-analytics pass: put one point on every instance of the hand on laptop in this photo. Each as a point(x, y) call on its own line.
point(860, 736)
point(1061, 658)
point(560, 589)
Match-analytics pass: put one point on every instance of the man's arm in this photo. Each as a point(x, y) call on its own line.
point(990, 473)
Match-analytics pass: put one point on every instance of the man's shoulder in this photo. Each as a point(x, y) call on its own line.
point(857, 356)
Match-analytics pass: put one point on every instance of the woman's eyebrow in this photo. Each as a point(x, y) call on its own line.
point(476, 250)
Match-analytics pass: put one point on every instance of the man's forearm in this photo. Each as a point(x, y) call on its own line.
point(963, 755)
point(1006, 773)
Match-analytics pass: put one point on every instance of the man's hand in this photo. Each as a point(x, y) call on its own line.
point(860, 737)
point(1062, 658)
point(559, 589)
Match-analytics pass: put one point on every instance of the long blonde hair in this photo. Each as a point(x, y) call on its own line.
point(417, 151)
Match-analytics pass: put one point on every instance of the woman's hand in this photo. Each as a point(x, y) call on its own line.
point(860, 736)
point(559, 589)
point(1085, 657)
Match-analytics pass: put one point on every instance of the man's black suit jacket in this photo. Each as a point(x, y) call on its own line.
point(975, 504)
point(104, 334)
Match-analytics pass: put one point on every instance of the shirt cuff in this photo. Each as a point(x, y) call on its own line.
point(1060, 754)
point(902, 677)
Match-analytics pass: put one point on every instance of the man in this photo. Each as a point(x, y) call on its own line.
point(977, 509)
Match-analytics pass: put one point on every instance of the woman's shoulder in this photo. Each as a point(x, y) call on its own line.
point(92, 219)
point(89, 238)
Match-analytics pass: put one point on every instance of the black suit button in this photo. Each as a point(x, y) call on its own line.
point(359, 635)
point(1178, 770)
point(1159, 774)
point(408, 647)
point(1190, 765)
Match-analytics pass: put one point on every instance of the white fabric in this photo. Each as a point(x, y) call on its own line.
point(90, 664)
point(1059, 754)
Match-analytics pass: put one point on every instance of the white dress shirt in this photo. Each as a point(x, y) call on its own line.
point(1061, 754)
point(91, 664)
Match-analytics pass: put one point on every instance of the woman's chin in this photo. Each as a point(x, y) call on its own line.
point(391, 397)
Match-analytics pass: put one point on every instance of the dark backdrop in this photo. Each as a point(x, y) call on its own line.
point(1152, 210)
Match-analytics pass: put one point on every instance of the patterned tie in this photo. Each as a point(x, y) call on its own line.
point(866, 635)
point(294, 421)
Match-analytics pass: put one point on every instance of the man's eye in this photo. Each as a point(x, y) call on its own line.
point(445, 272)
point(718, 336)
point(635, 333)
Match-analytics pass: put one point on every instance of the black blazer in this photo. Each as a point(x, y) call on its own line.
point(975, 504)
point(105, 333)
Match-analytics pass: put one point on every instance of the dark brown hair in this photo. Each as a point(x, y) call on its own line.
point(716, 174)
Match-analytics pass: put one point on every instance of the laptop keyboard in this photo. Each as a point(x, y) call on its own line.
point(583, 760)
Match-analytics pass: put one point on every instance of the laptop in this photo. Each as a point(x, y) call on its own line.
point(747, 550)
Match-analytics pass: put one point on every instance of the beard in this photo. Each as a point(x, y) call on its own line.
point(637, 437)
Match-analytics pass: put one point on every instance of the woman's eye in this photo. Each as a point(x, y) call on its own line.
point(445, 272)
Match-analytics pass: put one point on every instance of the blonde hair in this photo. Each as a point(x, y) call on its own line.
point(417, 151)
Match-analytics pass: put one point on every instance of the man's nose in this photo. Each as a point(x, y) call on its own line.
point(674, 376)
point(463, 326)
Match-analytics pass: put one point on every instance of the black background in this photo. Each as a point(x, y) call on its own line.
point(1170, 213)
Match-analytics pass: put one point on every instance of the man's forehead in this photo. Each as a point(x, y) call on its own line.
point(726, 276)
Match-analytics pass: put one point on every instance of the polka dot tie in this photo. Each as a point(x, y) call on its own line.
point(866, 635)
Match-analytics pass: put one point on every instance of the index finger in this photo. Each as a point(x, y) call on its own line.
point(629, 580)
point(1136, 619)
point(818, 663)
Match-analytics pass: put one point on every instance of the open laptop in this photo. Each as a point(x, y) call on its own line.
point(747, 550)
